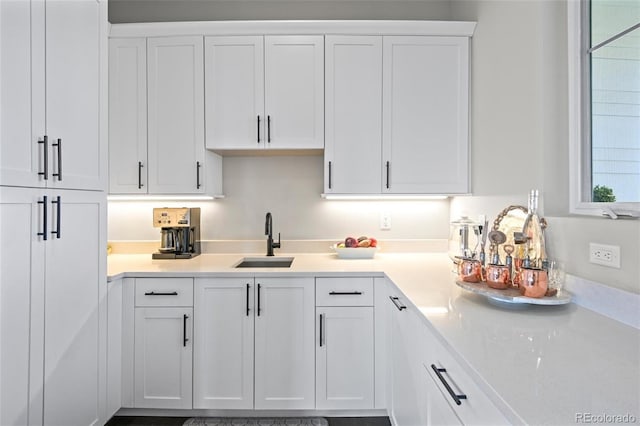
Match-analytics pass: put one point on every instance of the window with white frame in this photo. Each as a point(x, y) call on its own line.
point(604, 80)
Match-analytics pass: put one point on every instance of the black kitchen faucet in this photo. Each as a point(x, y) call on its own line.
point(268, 230)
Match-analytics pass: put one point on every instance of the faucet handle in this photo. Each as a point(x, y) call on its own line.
point(277, 245)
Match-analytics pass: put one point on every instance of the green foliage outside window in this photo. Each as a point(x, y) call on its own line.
point(603, 194)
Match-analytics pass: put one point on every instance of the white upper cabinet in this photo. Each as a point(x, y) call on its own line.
point(425, 115)
point(234, 92)
point(264, 92)
point(156, 118)
point(175, 114)
point(51, 92)
point(128, 116)
point(294, 91)
point(353, 117)
point(21, 157)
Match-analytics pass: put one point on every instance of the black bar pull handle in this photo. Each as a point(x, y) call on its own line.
point(268, 129)
point(321, 329)
point(396, 301)
point(198, 175)
point(140, 166)
point(58, 145)
point(329, 174)
point(345, 293)
point(153, 293)
point(258, 129)
point(248, 287)
point(455, 396)
point(58, 210)
point(43, 234)
point(387, 166)
point(259, 308)
point(184, 330)
point(45, 157)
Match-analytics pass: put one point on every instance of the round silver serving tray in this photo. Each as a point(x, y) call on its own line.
point(513, 296)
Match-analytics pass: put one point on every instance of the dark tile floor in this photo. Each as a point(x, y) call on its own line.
point(178, 421)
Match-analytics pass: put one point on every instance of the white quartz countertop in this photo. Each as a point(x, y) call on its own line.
point(540, 364)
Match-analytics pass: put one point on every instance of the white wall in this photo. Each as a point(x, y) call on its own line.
point(520, 132)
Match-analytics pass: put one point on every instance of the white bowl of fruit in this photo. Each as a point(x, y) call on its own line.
point(356, 248)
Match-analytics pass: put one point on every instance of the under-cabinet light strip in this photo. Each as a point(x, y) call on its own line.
point(390, 197)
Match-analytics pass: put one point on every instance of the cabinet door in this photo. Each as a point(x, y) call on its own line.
point(75, 290)
point(175, 115)
point(234, 92)
point(22, 89)
point(73, 82)
point(294, 92)
point(284, 340)
point(344, 358)
point(425, 115)
point(223, 349)
point(114, 347)
point(21, 306)
point(353, 118)
point(405, 406)
point(163, 348)
point(128, 116)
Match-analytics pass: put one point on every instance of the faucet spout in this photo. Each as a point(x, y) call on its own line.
point(268, 231)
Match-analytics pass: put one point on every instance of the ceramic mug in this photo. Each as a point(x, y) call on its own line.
point(533, 282)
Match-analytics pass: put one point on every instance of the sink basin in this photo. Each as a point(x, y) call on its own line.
point(265, 262)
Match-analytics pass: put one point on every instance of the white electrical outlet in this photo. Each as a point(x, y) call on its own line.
point(385, 221)
point(603, 254)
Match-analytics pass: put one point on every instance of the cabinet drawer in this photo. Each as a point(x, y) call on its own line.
point(474, 407)
point(344, 291)
point(164, 292)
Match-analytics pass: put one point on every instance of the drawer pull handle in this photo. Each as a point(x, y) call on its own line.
point(455, 397)
point(153, 293)
point(396, 302)
point(345, 293)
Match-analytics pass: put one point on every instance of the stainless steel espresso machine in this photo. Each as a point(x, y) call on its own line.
point(179, 232)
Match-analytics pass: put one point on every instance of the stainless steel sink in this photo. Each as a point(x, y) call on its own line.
point(265, 262)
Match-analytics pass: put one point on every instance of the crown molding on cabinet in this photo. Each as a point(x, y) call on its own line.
point(346, 27)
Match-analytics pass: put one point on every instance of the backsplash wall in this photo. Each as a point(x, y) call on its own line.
point(289, 187)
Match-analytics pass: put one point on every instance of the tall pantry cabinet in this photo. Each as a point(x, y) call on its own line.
point(52, 212)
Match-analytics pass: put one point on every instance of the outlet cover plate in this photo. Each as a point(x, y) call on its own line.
point(605, 255)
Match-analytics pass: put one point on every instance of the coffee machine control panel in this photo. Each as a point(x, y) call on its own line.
point(171, 217)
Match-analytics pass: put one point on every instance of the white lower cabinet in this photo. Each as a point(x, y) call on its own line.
point(163, 343)
point(405, 407)
point(284, 343)
point(422, 397)
point(345, 343)
point(223, 348)
point(254, 341)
